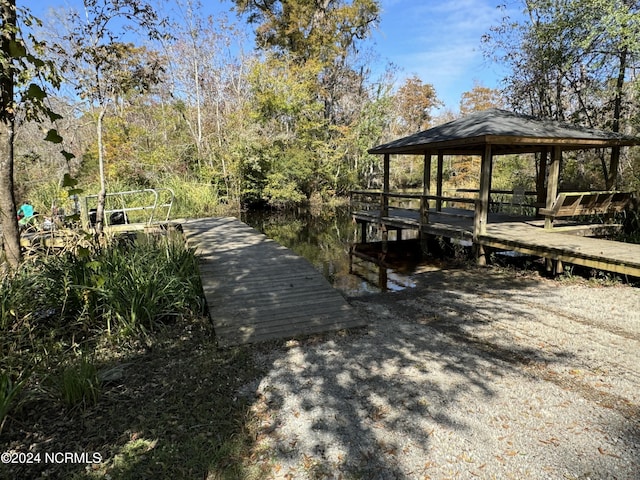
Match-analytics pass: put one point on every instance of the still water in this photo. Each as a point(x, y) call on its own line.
point(326, 238)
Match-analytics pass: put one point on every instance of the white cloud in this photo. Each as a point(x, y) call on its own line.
point(440, 41)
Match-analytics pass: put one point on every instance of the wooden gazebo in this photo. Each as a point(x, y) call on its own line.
point(487, 134)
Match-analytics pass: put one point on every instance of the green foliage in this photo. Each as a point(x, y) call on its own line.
point(513, 171)
point(79, 384)
point(127, 288)
point(310, 29)
point(9, 390)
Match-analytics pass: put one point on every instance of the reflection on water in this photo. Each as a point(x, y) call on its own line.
point(327, 240)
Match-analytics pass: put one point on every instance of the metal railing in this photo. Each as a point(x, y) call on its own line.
point(132, 206)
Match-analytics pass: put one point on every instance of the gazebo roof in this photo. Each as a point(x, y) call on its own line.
point(507, 132)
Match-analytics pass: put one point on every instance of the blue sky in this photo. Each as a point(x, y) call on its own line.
point(437, 40)
point(440, 42)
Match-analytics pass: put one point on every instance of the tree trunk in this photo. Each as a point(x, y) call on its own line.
point(10, 230)
point(102, 195)
point(614, 164)
point(8, 219)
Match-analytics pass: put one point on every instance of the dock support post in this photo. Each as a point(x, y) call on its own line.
point(481, 255)
point(385, 238)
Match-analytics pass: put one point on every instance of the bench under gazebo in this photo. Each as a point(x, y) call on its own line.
point(467, 215)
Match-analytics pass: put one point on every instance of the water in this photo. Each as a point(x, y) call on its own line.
point(326, 239)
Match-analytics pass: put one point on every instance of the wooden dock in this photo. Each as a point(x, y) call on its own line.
point(519, 234)
point(590, 252)
point(258, 290)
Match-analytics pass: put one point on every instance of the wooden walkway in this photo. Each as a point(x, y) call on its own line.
point(258, 290)
point(520, 234)
point(590, 252)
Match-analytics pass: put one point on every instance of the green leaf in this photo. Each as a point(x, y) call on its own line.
point(53, 136)
point(69, 181)
point(35, 92)
point(16, 49)
point(67, 155)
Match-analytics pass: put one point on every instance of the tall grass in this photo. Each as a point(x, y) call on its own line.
point(129, 287)
point(9, 389)
point(79, 384)
point(57, 306)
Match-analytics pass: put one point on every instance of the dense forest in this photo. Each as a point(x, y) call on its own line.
point(147, 94)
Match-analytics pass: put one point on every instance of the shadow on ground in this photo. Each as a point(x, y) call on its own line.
point(169, 410)
point(374, 404)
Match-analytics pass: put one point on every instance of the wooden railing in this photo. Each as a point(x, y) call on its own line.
point(375, 200)
point(500, 201)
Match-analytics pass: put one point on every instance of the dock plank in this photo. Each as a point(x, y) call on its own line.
point(258, 290)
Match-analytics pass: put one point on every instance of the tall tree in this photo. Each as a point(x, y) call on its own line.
point(18, 66)
point(310, 29)
point(10, 233)
point(208, 71)
point(573, 60)
point(102, 68)
point(316, 44)
point(325, 32)
point(414, 102)
point(480, 98)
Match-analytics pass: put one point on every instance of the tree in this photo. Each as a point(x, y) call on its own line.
point(10, 233)
point(480, 98)
point(321, 30)
point(208, 72)
point(573, 60)
point(414, 102)
point(313, 92)
point(18, 66)
point(103, 69)
point(324, 32)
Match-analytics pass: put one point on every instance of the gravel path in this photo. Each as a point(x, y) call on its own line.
point(472, 374)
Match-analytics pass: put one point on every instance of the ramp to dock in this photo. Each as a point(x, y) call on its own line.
point(258, 290)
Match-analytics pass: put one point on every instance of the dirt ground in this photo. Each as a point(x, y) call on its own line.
point(481, 373)
point(475, 373)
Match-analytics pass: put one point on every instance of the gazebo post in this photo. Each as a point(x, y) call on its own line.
point(384, 202)
point(541, 197)
point(552, 192)
point(439, 180)
point(424, 201)
point(481, 216)
point(426, 188)
point(552, 182)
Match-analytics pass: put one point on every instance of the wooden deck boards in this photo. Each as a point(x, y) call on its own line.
point(525, 236)
point(258, 290)
point(590, 252)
